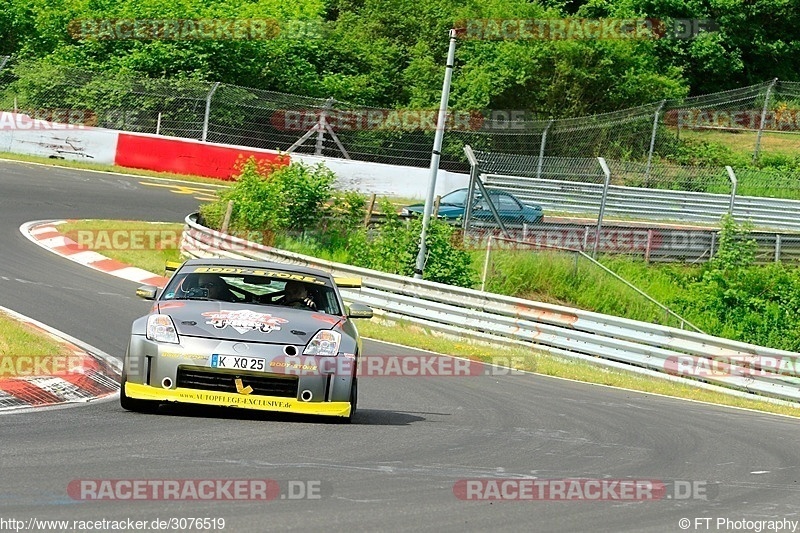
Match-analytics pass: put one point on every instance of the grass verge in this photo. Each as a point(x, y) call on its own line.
point(24, 350)
point(147, 245)
point(524, 358)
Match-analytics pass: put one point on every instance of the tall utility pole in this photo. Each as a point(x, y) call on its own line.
point(436, 155)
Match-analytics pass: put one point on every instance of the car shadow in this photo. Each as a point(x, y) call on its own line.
point(365, 417)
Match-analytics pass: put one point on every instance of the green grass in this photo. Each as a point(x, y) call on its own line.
point(144, 244)
point(21, 340)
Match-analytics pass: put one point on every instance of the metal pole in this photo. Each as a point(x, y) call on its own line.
point(321, 127)
point(486, 262)
point(158, 124)
point(652, 143)
point(763, 120)
point(474, 171)
point(734, 183)
point(208, 110)
point(777, 247)
point(541, 151)
point(436, 155)
point(607, 172)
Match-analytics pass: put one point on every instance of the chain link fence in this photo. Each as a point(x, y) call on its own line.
point(656, 212)
point(763, 119)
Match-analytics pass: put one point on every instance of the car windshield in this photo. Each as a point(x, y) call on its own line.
point(300, 291)
point(458, 197)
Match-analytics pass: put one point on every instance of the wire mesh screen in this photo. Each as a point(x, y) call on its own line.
point(230, 114)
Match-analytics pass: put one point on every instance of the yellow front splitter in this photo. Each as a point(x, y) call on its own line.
point(230, 399)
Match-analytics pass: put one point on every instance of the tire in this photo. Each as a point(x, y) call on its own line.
point(132, 404)
point(353, 401)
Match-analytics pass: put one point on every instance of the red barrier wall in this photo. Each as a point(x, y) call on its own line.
point(186, 156)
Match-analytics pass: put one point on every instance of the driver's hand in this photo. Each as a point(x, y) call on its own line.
point(309, 303)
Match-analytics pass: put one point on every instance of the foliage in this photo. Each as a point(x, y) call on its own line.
point(270, 198)
point(394, 245)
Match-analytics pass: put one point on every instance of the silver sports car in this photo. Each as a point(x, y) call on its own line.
point(249, 334)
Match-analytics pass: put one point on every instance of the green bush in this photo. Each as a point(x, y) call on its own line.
point(393, 248)
point(271, 199)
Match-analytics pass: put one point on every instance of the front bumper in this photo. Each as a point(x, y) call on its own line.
point(227, 399)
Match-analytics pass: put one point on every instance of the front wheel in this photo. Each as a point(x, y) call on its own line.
point(132, 404)
point(353, 401)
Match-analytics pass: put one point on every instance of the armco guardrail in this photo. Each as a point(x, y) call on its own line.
point(644, 203)
point(557, 329)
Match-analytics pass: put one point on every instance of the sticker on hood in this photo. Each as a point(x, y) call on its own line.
point(244, 321)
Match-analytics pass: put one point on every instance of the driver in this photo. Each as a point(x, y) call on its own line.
point(296, 295)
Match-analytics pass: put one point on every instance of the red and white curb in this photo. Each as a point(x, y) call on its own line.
point(46, 234)
point(95, 377)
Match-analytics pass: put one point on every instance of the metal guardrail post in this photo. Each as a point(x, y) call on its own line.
point(541, 150)
point(606, 184)
point(757, 149)
point(321, 126)
point(486, 262)
point(208, 110)
point(474, 175)
point(652, 143)
point(734, 184)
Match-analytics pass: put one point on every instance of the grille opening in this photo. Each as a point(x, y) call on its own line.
point(263, 385)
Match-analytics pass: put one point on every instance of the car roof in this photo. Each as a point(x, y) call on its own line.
point(253, 263)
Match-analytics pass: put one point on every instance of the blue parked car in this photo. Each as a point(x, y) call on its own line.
point(511, 210)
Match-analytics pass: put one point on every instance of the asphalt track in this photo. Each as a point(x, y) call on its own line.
point(395, 467)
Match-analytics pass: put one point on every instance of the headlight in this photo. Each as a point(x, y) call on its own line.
point(160, 328)
point(325, 342)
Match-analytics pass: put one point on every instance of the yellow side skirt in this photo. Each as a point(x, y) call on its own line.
point(230, 399)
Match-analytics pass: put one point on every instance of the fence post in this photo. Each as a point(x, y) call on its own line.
point(607, 182)
point(763, 120)
point(777, 247)
point(474, 175)
point(541, 150)
point(652, 143)
point(486, 263)
point(158, 124)
point(321, 126)
point(208, 111)
point(734, 183)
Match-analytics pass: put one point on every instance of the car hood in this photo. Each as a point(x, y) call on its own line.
point(246, 322)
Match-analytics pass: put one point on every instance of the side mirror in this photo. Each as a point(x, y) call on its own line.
point(148, 292)
point(359, 311)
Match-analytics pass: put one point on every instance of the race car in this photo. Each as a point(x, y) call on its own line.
point(250, 334)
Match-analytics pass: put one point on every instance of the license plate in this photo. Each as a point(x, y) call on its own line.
point(238, 362)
